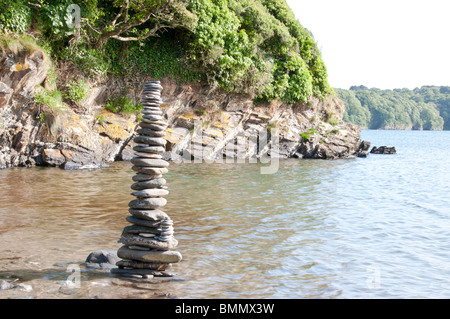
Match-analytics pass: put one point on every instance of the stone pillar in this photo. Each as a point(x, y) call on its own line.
point(148, 242)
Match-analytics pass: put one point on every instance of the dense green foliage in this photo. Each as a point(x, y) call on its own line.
point(256, 47)
point(425, 108)
point(50, 99)
point(15, 15)
point(77, 91)
point(123, 104)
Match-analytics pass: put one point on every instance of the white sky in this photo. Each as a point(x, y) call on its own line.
point(384, 43)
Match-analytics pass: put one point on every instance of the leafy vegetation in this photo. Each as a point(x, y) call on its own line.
point(255, 47)
point(52, 100)
point(77, 91)
point(15, 16)
point(123, 104)
point(258, 48)
point(425, 108)
point(309, 133)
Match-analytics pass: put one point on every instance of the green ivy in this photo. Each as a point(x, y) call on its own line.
point(50, 99)
point(77, 91)
point(123, 104)
point(15, 16)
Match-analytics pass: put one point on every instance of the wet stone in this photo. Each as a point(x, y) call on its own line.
point(148, 203)
point(141, 177)
point(156, 126)
point(152, 117)
point(141, 265)
point(148, 155)
point(149, 256)
point(154, 215)
point(142, 222)
point(153, 192)
point(151, 112)
point(149, 149)
point(150, 170)
point(149, 162)
point(131, 240)
point(152, 126)
point(137, 229)
point(149, 140)
point(152, 183)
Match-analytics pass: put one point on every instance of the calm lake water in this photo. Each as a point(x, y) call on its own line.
point(377, 227)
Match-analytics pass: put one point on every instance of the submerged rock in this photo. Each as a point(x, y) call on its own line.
point(102, 259)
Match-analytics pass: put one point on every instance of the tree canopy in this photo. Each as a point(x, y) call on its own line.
point(255, 47)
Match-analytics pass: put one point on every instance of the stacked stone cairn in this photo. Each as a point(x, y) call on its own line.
point(148, 242)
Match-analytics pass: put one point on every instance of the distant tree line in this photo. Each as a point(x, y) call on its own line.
point(425, 108)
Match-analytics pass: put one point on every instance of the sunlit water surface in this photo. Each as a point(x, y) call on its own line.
point(377, 227)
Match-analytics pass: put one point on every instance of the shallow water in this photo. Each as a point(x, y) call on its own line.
point(355, 228)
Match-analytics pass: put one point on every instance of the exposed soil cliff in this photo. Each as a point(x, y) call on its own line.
point(211, 124)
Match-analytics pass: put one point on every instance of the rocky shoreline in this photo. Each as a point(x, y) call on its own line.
point(213, 124)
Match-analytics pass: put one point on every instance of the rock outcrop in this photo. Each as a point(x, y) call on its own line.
point(383, 150)
point(210, 125)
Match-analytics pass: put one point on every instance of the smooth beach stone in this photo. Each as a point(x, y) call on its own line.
point(153, 87)
point(167, 232)
point(151, 162)
point(150, 112)
point(136, 229)
point(153, 101)
point(153, 192)
point(142, 222)
point(164, 237)
point(137, 247)
point(131, 273)
point(168, 256)
point(142, 274)
point(147, 235)
point(132, 240)
point(148, 203)
point(148, 155)
point(152, 121)
point(152, 183)
point(152, 117)
point(150, 170)
point(151, 96)
point(140, 177)
point(154, 127)
point(152, 90)
point(151, 125)
point(141, 265)
point(149, 149)
point(159, 123)
point(154, 215)
point(151, 106)
point(150, 140)
point(148, 132)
